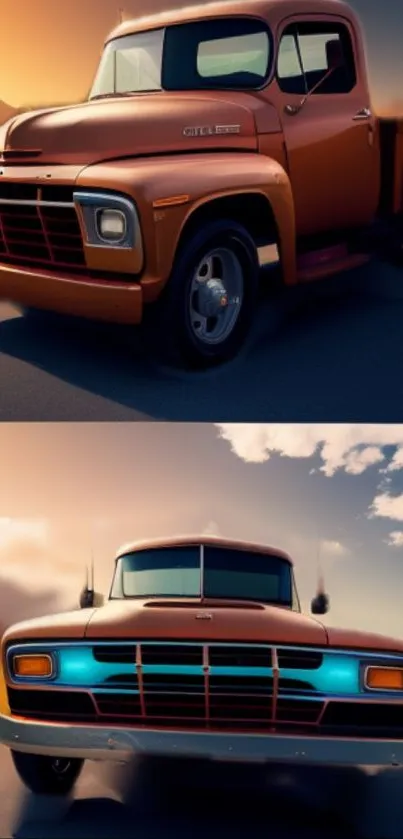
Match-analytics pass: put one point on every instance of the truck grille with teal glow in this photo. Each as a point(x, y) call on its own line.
point(212, 685)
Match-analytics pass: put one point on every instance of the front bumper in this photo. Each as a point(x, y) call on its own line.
point(121, 744)
point(72, 295)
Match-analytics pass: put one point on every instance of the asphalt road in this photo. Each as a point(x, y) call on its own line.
point(336, 354)
point(215, 801)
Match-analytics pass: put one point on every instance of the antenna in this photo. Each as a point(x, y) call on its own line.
point(121, 15)
point(87, 595)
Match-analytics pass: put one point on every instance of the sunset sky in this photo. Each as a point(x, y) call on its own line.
point(49, 49)
point(68, 489)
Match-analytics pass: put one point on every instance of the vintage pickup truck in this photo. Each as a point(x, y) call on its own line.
point(201, 650)
point(217, 139)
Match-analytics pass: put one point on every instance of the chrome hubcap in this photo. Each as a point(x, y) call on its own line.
point(216, 295)
point(60, 765)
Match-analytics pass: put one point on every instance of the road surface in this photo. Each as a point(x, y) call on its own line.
point(216, 801)
point(337, 355)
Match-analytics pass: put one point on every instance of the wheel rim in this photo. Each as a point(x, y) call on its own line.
point(216, 296)
point(61, 765)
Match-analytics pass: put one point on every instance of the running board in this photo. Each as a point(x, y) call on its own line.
point(316, 265)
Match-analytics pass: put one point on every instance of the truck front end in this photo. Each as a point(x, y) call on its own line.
point(94, 196)
point(201, 651)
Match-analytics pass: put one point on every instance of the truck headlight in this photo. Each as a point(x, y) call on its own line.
point(384, 678)
point(110, 221)
point(111, 225)
point(32, 666)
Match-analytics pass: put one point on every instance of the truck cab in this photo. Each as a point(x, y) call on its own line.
point(159, 200)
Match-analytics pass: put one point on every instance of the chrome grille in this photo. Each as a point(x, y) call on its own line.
point(212, 684)
point(39, 227)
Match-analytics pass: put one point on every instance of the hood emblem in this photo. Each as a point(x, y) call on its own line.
point(210, 130)
point(204, 616)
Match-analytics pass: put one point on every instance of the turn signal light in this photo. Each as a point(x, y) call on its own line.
point(384, 678)
point(33, 666)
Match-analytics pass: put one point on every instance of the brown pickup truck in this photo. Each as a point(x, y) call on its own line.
point(201, 650)
point(107, 209)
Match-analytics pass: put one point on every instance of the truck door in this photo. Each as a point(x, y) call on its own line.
point(332, 141)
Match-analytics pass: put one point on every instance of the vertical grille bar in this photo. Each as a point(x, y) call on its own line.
point(206, 671)
point(139, 671)
point(3, 239)
point(275, 667)
point(43, 226)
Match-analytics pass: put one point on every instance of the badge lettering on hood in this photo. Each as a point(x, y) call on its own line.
point(204, 616)
point(210, 130)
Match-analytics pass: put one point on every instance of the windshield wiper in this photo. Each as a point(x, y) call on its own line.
point(111, 95)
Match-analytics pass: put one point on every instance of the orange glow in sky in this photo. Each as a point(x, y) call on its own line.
point(49, 50)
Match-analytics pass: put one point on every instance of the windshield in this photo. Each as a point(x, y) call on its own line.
point(221, 53)
point(214, 572)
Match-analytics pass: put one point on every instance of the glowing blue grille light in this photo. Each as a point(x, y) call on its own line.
point(77, 667)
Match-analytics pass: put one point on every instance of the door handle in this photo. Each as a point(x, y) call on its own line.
point(364, 113)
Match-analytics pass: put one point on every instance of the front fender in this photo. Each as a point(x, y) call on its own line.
point(167, 190)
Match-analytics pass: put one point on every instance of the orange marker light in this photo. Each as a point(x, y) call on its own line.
point(384, 678)
point(33, 665)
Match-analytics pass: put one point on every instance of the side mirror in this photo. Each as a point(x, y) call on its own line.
point(90, 599)
point(334, 54)
point(320, 604)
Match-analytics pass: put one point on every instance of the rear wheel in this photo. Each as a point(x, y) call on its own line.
point(47, 775)
point(207, 306)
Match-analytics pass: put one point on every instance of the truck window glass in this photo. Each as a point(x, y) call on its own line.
point(225, 56)
point(227, 53)
point(303, 62)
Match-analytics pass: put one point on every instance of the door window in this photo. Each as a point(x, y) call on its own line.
point(304, 59)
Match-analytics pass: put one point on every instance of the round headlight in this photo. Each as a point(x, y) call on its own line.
point(111, 225)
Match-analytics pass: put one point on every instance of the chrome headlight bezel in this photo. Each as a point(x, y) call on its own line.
point(17, 651)
point(90, 204)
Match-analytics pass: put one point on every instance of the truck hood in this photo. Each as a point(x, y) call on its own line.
point(207, 620)
point(65, 625)
point(108, 129)
point(194, 620)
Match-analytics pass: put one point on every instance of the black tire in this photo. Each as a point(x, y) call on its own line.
point(45, 775)
point(168, 323)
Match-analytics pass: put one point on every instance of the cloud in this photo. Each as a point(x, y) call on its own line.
point(14, 531)
point(333, 548)
point(387, 506)
point(349, 448)
point(395, 539)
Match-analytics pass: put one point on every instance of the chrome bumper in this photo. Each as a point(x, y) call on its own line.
point(120, 744)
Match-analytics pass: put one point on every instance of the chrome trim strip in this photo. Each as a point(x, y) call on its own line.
point(91, 642)
point(276, 675)
point(206, 670)
point(140, 682)
point(120, 743)
point(32, 203)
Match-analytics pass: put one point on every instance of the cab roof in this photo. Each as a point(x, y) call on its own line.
point(270, 10)
point(201, 539)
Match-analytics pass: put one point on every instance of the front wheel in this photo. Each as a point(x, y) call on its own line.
point(47, 775)
point(207, 306)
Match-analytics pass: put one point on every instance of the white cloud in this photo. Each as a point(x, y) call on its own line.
point(333, 548)
point(14, 531)
point(387, 506)
point(395, 539)
point(349, 448)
